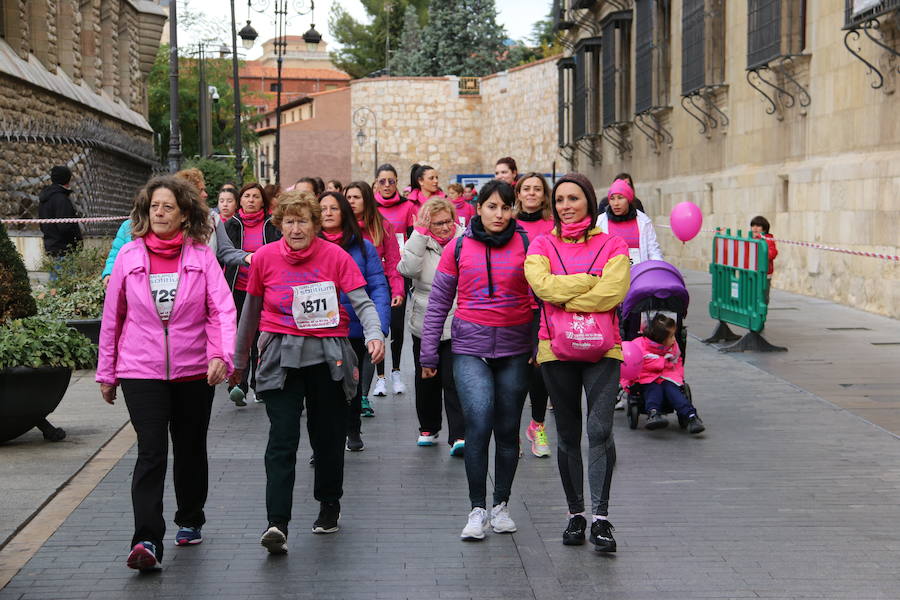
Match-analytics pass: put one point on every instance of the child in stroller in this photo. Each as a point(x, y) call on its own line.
point(657, 287)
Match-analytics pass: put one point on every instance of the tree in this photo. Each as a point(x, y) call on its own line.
point(16, 301)
point(362, 45)
point(218, 71)
point(409, 59)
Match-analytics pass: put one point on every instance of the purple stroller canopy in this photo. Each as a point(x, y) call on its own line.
point(656, 279)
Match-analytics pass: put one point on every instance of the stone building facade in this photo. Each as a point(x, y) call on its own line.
point(429, 120)
point(73, 92)
point(747, 107)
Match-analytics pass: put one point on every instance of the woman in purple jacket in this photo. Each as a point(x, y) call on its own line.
point(491, 344)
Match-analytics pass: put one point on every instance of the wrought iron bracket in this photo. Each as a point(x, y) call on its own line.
point(706, 112)
point(567, 152)
point(616, 135)
point(867, 28)
point(775, 94)
point(588, 146)
point(648, 124)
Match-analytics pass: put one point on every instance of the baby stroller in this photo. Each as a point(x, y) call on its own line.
point(656, 286)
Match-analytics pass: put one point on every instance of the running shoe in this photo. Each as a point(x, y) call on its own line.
point(458, 448)
point(426, 438)
point(329, 513)
point(143, 557)
point(477, 523)
point(500, 520)
point(656, 421)
point(274, 539)
point(354, 442)
point(237, 396)
point(574, 533)
point(540, 446)
point(695, 425)
point(366, 409)
point(397, 383)
point(602, 537)
point(188, 536)
point(380, 387)
point(622, 396)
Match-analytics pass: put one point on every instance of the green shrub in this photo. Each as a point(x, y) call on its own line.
point(216, 173)
point(41, 342)
point(78, 292)
point(15, 291)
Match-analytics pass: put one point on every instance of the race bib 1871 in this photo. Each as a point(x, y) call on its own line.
point(315, 305)
point(162, 288)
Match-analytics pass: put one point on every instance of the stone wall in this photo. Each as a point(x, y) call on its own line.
point(319, 145)
point(426, 120)
point(828, 173)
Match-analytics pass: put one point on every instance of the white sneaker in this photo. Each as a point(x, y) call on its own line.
point(397, 383)
point(426, 438)
point(478, 522)
point(274, 540)
point(622, 396)
point(620, 405)
point(380, 387)
point(500, 521)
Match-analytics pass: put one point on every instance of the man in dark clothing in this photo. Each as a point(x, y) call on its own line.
point(59, 238)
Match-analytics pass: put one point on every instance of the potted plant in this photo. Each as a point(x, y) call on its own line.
point(76, 295)
point(37, 355)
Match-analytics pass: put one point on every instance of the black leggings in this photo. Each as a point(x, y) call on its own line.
point(249, 378)
point(398, 326)
point(537, 390)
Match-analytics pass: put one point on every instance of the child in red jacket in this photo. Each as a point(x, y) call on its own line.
point(662, 375)
point(759, 225)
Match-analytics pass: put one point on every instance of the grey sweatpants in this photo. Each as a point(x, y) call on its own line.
point(565, 382)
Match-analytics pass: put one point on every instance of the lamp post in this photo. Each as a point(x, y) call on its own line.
point(311, 37)
point(238, 149)
point(360, 119)
point(174, 133)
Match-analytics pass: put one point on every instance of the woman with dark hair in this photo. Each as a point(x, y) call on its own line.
point(393, 206)
point(309, 185)
point(293, 299)
point(581, 275)
point(626, 177)
point(491, 345)
point(506, 170)
point(333, 185)
point(381, 233)
point(423, 183)
point(339, 226)
point(534, 215)
point(250, 229)
point(228, 203)
point(171, 358)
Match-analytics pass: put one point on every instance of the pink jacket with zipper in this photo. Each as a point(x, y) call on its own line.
point(660, 362)
point(134, 341)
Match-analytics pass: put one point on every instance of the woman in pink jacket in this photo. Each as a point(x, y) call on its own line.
point(167, 338)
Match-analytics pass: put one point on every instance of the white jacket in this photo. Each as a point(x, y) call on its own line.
point(419, 262)
point(649, 247)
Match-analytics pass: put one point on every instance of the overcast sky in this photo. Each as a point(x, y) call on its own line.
point(516, 15)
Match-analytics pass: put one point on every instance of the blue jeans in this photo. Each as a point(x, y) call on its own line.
point(655, 393)
point(492, 393)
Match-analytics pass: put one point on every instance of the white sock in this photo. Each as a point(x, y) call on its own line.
point(599, 518)
point(582, 514)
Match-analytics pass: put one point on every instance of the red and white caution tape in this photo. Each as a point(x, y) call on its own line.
point(878, 255)
point(58, 221)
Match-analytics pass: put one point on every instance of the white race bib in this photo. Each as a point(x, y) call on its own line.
point(401, 241)
point(462, 220)
point(315, 305)
point(635, 255)
point(162, 288)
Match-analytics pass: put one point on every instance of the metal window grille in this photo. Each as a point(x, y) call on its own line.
point(579, 99)
point(643, 61)
point(609, 75)
point(616, 68)
point(693, 46)
point(565, 67)
point(763, 32)
point(857, 12)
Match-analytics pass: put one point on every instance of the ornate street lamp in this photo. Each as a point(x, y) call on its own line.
point(311, 37)
point(360, 119)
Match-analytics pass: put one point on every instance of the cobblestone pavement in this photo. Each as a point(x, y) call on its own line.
point(784, 496)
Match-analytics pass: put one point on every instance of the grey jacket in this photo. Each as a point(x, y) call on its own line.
point(419, 262)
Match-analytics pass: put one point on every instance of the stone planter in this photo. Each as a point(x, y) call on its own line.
point(27, 396)
point(89, 328)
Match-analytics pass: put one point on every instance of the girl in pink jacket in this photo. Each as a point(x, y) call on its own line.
point(662, 374)
point(167, 338)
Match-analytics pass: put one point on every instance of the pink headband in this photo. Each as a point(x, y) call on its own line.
point(620, 186)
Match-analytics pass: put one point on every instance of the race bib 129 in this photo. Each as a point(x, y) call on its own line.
point(315, 305)
point(162, 288)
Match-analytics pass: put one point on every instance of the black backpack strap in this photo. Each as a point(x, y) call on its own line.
point(457, 250)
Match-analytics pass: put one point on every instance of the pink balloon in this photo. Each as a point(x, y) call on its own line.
point(631, 366)
point(686, 220)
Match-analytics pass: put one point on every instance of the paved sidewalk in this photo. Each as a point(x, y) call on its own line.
point(785, 496)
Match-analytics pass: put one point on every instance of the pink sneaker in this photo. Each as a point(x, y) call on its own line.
point(540, 446)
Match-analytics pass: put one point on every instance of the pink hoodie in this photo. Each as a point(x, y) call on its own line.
point(389, 253)
point(134, 343)
point(400, 214)
point(660, 362)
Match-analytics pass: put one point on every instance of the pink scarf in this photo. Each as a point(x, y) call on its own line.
point(169, 248)
point(295, 257)
point(333, 237)
point(576, 230)
point(427, 231)
point(252, 219)
point(387, 202)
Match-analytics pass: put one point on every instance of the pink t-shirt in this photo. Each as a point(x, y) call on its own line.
point(275, 279)
point(627, 230)
point(254, 238)
point(401, 216)
point(536, 229)
point(510, 304)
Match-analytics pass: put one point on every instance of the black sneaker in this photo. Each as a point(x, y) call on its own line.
point(329, 513)
point(602, 537)
point(354, 442)
point(574, 533)
point(695, 425)
point(274, 539)
point(656, 420)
